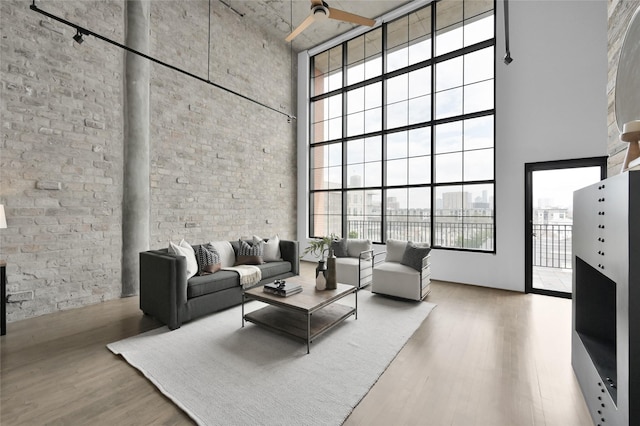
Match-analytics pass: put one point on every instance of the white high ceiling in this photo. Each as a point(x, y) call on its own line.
point(275, 17)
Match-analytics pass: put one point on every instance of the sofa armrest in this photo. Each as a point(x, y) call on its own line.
point(163, 286)
point(291, 253)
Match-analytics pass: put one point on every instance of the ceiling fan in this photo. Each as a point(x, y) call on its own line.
point(320, 10)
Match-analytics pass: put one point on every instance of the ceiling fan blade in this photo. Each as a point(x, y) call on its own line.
point(316, 2)
point(300, 28)
point(341, 15)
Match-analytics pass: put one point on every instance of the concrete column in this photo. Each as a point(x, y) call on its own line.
point(135, 203)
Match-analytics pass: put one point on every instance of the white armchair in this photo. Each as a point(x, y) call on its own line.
point(354, 261)
point(404, 272)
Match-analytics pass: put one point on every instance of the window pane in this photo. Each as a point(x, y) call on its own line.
point(419, 50)
point(373, 174)
point(478, 217)
point(355, 72)
point(449, 103)
point(355, 100)
point(478, 97)
point(373, 149)
point(420, 110)
point(408, 213)
point(398, 32)
point(398, 89)
point(419, 170)
point(449, 137)
point(449, 74)
point(449, 167)
point(478, 66)
point(449, 34)
point(364, 214)
point(420, 141)
point(355, 151)
point(478, 29)
point(396, 145)
point(478, 133)
point(373, 120)
point(355, 175)
point(420, 82)
point(397, 115)
point(373, 96)
point(478, 165)
point(397, 171)
point(327, 213)
point(335, 128)
point(355, 124)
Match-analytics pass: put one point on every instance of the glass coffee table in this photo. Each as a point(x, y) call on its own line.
point(304, 315)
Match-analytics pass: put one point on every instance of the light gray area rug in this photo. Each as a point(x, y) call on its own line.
point(222, 374)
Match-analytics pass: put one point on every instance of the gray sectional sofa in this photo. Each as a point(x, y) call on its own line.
point(167, 294)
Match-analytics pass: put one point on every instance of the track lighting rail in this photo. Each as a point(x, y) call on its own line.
point(80, 31)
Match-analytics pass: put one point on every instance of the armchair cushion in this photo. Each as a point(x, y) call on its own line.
point(339, 247)
point(355, 247)
point(395, 250)
point(413, 255)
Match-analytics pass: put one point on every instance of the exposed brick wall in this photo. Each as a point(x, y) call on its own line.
point(620, 13)
point(221, 166)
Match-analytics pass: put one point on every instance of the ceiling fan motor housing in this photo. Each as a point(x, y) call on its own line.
point(320, 11)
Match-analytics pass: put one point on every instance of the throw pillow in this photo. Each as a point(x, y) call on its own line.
point(395, 250)
point(413, 255)
point(185, 249)
point(208, 260)
point(339, 247)
point(250, 254)
point(271, 248)
point(226, 252)
point(355, 247)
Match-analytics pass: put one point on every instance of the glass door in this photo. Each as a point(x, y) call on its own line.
point(549, 221)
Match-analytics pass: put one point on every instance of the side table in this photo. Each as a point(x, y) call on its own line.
point(3, 297)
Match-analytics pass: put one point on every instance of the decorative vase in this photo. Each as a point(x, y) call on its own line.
point(321, 276)
point(331, 271)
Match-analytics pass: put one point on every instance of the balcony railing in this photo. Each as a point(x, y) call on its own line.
point(552, 245)
point(447, 234)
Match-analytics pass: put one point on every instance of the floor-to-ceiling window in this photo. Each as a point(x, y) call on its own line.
point(402, 130)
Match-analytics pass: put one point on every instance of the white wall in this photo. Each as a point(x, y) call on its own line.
point(551, 104)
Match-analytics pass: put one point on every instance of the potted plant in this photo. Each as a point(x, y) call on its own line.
point(318, 247)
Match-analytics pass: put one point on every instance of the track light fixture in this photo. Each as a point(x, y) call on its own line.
point(78, 37)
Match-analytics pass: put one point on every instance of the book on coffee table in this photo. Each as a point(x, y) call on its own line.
point(287, 290)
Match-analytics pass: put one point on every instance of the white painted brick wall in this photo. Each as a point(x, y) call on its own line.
point(221, 167)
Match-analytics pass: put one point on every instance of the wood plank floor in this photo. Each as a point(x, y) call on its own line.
point(483, 357)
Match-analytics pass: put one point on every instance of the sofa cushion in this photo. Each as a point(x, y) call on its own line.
point(339, 247)
point(226, 252)
point(185, 249)
point(413, 255)
point(205, 284)
point(249, 254)
point(355, 247)
point(208, 259)
point(271, 248)
point(273, 269)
